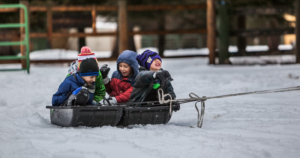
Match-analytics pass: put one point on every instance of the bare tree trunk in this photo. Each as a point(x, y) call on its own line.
point(273, 41)
point(131, 44)
point(81, 40)
point(241, 43)
point(297, 31)
point(161, 38)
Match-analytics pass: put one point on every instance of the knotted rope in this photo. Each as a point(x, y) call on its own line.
point(197, 99)
point(161, 99)
point(202, 100)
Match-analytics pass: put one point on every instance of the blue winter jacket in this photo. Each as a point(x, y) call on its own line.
point(66, 88)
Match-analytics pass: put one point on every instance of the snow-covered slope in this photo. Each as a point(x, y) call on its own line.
point(265, 125)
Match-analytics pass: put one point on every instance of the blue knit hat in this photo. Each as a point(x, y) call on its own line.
point(146, 58)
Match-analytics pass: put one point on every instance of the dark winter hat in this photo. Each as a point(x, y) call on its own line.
point(89, 67)
point(146, 58)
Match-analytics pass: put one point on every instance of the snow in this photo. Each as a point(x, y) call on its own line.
point(264, 59)
point(205, 51)
point(178, 52)
point(58, 54)
point(262, 126)
point(102, 23)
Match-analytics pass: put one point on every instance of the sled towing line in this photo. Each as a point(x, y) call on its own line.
point(98, 116)
point(153, 112)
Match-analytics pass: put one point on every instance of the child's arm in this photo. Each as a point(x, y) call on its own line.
point(144, 78)
point(108, 87)
point(124, 97)
point(62, 94)
point(100, 88)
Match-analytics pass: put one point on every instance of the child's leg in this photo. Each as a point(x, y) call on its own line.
point(82, 97)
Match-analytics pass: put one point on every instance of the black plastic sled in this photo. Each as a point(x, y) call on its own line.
point(98, 116)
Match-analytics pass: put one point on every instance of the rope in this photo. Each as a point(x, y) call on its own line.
point(161, 99)
point(197, 99)
point(200, 116)
point(187, 100)
point(258, 92)
point(203, 99)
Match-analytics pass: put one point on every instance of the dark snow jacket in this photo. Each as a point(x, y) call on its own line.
point(143, 89)
point(66, 88)
point(119, 86)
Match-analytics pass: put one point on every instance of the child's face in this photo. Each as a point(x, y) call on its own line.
point(125, 69)
point(156, 65)
point(89, 79)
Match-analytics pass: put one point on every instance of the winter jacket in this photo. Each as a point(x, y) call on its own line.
point(143, 89)
point(99, 85)
point(119, 86)
point(66, 88)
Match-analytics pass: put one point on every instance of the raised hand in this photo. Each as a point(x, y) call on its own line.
point(104, 70)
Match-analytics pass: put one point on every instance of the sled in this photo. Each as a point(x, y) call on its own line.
point(147, 115)
point(90, 116)
point(121, 115)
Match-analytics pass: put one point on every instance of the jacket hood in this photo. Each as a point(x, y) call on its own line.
point(129, 57)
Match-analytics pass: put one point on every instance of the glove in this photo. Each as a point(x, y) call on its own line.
point(78, 97)
point(104, 70)
point(164, 77)
point(110, 101)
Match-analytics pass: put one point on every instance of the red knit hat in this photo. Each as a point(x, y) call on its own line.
point(84, 54)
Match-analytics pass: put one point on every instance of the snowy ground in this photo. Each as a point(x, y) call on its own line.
point(259, 126)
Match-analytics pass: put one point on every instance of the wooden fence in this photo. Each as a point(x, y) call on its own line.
point(211, 30)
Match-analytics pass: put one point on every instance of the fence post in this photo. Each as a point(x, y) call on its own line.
point(94, 19)
point(223, 32)
point(297, 31)
point(22, 32)
point(211, 30)
point(49, 22)
point(122, 22)
point(241, 41)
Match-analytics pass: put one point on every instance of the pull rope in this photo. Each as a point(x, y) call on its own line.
point(197, 99)
point(259, 92)
point(203, 99)
point(200, 116)
point(161, 99)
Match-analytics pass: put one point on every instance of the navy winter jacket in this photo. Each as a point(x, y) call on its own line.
point(66, 88)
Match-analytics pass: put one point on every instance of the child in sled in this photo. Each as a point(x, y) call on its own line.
point(99, 87)
point(151, 77)
point(120, 85)
point(78, 88)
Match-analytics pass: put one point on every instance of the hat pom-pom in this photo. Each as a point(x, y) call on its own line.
point(85, 50)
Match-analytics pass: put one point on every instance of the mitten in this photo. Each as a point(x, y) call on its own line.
point(104, 72)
